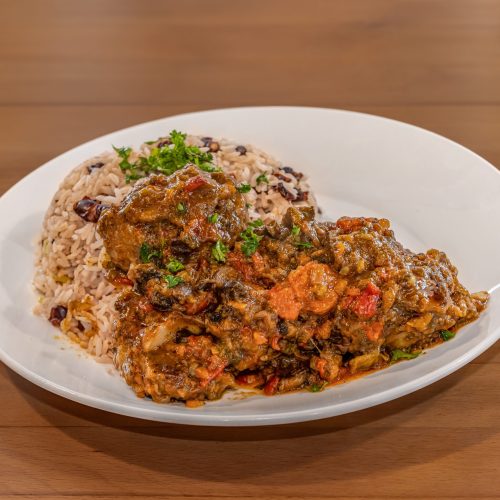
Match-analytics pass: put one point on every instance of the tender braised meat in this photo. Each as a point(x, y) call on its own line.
point(169, 215)
point(211, 301)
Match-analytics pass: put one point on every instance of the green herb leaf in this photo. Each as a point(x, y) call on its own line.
point(397, 354)
point(181, 208)
point(208, 167)
point(295, 230)
point(146, 253)
point(174, 266)
point(123, 152)
point(250, 239)
point(172, 157)
point(172, 280)
point(219, 251)
point(256, 223)
point(244, 188)
point(166, 159)
point(303, 244)
point(262, 178)
point(125, 165)
point(318, 388)
point(213, 218)
point(446, 335)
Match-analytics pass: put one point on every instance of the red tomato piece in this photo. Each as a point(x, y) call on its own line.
point(272, 386)
point(373, 330)
point(194, 183)
point(365, 305)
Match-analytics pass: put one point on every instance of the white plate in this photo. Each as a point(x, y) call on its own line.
point(436, 193)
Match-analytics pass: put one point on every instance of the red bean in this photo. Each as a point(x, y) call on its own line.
point(95, 166)
point(282, 177)
point(302, 195)
point(283, 191)
point(290, 170)
point(163, 143)
point(88, 209)
point(57, 314)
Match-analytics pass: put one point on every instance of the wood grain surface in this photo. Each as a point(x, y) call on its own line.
point(71, 70)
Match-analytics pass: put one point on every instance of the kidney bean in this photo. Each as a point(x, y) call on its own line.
point(57, 314)
point(290, 170)
point(283, 191)
point(95, 166)
point(88, 209)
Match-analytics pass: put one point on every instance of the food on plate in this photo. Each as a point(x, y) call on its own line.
point(197, 266)
point(213, 299)
point(73, 293)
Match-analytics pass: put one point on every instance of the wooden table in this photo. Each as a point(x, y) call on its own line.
point(72, 70)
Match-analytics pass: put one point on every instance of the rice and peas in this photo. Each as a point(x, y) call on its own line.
point(74, 294)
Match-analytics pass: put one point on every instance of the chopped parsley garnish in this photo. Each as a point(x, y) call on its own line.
point(397, 354)
point(250, 239)
point(317, 387)
point(146, 253)
point(256, 223)
point(181, 208)
point(124, 153)
point(172, 280)
point(219, 251)
point(174, 266)
point(166, 159)
point(446, 335)
point(244, 188)
point(262, 178)
point(303, 244)
point(131, 177)
point(295, 230)
point(213, 218)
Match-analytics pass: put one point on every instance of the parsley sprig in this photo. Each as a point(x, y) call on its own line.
point(172, 280)
point(446, 335)
point(166, 159)
point(213, 218)
point(219, 251)
point(244, 188)
point(250, 239)
point(174, 266)
point(398, 354)
point(147, 253)
point(262, 178)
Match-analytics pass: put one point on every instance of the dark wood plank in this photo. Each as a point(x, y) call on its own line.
point(359, 52)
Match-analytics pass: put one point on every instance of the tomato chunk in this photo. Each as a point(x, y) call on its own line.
point(309, 288)
point(373, 330)
point(365, 304)
point(272, 386)
point(194, 183)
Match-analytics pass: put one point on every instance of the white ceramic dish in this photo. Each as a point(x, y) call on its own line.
point(436, 193)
